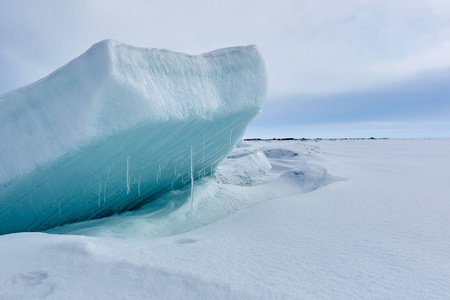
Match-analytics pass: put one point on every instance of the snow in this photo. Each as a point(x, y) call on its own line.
point(243, 168)
point(279, 153)
point(378, 231)
point(117, 127)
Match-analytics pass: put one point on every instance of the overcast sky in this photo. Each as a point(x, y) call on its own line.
point(366, 55)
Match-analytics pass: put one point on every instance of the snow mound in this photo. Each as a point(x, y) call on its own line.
point(243, 169)
point(119, 126)
point(312, 149)
point(309, 177)
point(279, 153)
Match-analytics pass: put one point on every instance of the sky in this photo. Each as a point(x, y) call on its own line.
point(353, 68)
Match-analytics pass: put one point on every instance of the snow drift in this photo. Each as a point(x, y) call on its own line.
point(119, 126)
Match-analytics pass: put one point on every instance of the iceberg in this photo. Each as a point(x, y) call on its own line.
point(118, 127)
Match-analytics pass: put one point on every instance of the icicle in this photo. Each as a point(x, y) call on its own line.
point(203, 159)
point(108, 170)
point(128, 174)
point(139, 185)
point(192, 182)
point(231, 131)
point(99, 193)
point(104, 192)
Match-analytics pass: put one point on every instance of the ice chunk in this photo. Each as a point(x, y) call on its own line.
point(279, 153)
point(243, 169)
point(309, 177)
point(114, 128)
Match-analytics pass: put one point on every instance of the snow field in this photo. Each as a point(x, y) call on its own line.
point(381, 234)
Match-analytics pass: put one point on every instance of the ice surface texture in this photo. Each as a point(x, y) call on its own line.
point(114, 128)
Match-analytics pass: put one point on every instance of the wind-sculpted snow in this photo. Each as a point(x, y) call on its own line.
point(117, 127)
point(243, 169)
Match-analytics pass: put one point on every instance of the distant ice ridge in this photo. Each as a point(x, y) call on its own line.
point(117, 127)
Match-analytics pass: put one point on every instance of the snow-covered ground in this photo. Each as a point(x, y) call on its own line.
point(279, 220)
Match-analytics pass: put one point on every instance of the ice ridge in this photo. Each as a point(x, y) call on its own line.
point(115, 128)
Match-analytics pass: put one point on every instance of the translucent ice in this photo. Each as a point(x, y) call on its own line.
point(117, 127)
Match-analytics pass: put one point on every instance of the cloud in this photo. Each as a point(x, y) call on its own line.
point(435, 59)
point(421, 100)
point(310, 47)
point(378, 129)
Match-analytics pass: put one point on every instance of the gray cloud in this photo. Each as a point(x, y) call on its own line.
point(310, 47)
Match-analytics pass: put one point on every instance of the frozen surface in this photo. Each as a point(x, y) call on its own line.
point(381, 234)
point(119, 126)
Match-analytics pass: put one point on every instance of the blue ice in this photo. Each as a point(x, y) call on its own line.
point(117, 127)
